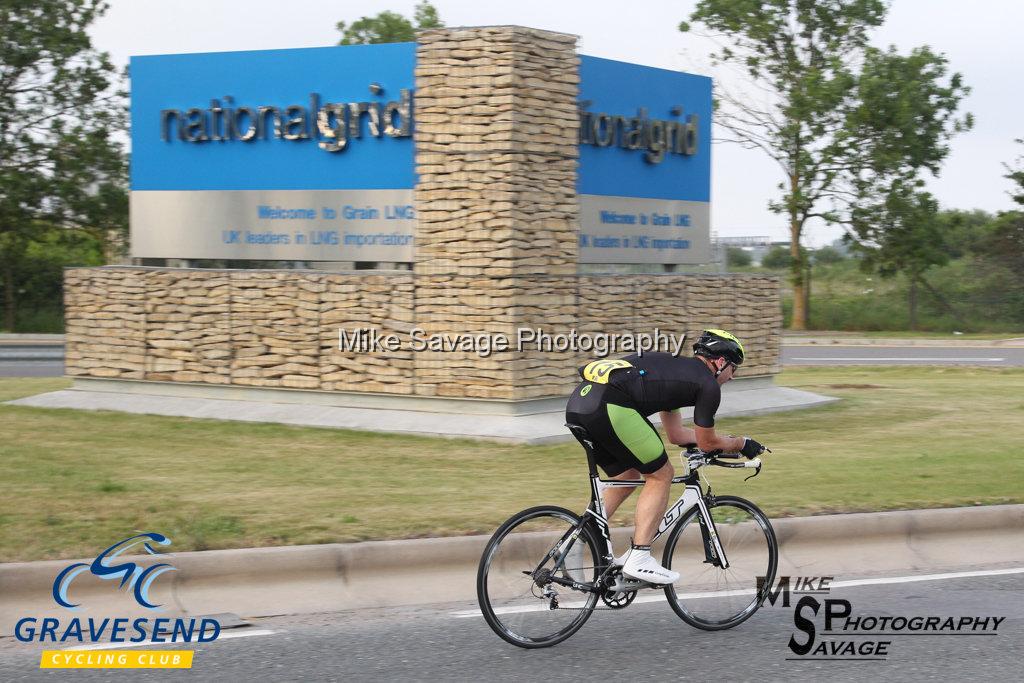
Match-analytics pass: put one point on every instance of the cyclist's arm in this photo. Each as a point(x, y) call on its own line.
point(704, 423)
point(674, 429)
point(708, 440)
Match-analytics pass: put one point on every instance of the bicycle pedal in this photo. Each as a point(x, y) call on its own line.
point(627, 586)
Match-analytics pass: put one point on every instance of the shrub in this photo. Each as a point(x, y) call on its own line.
point(736, 257)
point(777, 258)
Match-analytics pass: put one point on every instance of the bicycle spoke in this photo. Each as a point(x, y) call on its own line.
point(529, 609)
point(713, 597)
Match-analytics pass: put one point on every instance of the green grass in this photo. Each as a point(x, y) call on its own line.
point(75, 481)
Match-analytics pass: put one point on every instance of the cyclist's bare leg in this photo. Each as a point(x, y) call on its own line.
point(650, 508)
point(613, 497)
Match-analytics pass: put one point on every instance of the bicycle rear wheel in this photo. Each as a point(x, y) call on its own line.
point(514, 587)
point(710, 597)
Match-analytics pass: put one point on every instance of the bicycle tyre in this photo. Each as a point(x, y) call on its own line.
point(511, 602)
point(709, 597)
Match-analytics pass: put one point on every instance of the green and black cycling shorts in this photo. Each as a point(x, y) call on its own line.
point(623, 438)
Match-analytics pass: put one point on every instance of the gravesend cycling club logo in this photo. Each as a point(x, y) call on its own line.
point(138, 578)
point(857, 637)
point(133, 576)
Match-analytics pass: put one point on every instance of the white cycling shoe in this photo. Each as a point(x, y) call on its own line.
point(642, 566)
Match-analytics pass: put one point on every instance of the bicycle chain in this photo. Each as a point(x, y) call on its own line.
point(584, 609)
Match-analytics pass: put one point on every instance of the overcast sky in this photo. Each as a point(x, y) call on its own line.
point(981, 40)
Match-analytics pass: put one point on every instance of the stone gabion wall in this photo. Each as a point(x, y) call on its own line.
point(275, 329)
point(105, 323)
point(188, 326)
point(281, 328)
point(382, 302)
point(749, 306)
point(496, 152)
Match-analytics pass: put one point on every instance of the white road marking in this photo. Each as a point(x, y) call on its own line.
point(542, 607)
point(926, 577)
point(902, 359)
point(225, 636)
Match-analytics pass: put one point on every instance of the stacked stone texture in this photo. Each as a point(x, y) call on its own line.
point(188, 326)
point(281, 328)
point(496, 154)
point(496, 129)
point(351, 303)
point(275, 329)
point(746, 305)
point(104, 323)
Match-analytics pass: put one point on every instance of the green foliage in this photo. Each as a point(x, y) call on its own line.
point(827, 255)
point(736, 257)
point(777, 258)
point(964, 231)
point(843, 119)
point(983, 297)
point(389, 27)
point(61, 165)
point(38, 276)
point(902, 235)
point(1016, 174)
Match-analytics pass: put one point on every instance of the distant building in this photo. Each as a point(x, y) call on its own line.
point(756, 245)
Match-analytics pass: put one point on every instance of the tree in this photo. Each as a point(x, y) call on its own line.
point(737, 257)
point(777, 258)
point(1016, 174)
point(389, 27)
point(1002, 247)
point(60, 110)
point(904, 236)
point(823, 112)
point(964, 230)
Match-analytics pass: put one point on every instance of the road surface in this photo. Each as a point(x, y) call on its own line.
point(647, 640)
point(985, 356)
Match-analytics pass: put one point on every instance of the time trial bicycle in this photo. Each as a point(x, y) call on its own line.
point(545, 569)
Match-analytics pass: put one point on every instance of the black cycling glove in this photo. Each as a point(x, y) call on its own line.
point(751, 448)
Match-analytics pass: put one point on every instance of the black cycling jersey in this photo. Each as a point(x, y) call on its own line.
point(660, 381)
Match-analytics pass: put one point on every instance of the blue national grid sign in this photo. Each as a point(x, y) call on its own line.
point(622, 89)
point(277, 78)
point(230, 157)
point(644, 181)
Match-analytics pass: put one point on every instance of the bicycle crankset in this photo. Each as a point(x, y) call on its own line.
point(617, 599)
point(619, 591)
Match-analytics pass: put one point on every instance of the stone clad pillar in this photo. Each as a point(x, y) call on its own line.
point(496, 152)
point(497, 234)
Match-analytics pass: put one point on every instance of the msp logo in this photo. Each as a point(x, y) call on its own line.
point(850, 637)
point(138, 579)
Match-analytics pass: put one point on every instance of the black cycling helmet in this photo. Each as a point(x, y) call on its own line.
point(719, 344)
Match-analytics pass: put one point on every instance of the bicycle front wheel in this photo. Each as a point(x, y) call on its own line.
point(517, 596)
point(712, 597)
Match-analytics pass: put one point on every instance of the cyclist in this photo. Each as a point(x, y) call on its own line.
point(613, 403)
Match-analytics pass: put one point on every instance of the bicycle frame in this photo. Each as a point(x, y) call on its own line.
point(693, 496)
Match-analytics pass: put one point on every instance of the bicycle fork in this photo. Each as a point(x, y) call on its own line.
point(713, 551)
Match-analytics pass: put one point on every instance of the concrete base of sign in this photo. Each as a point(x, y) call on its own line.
point(532, 422)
